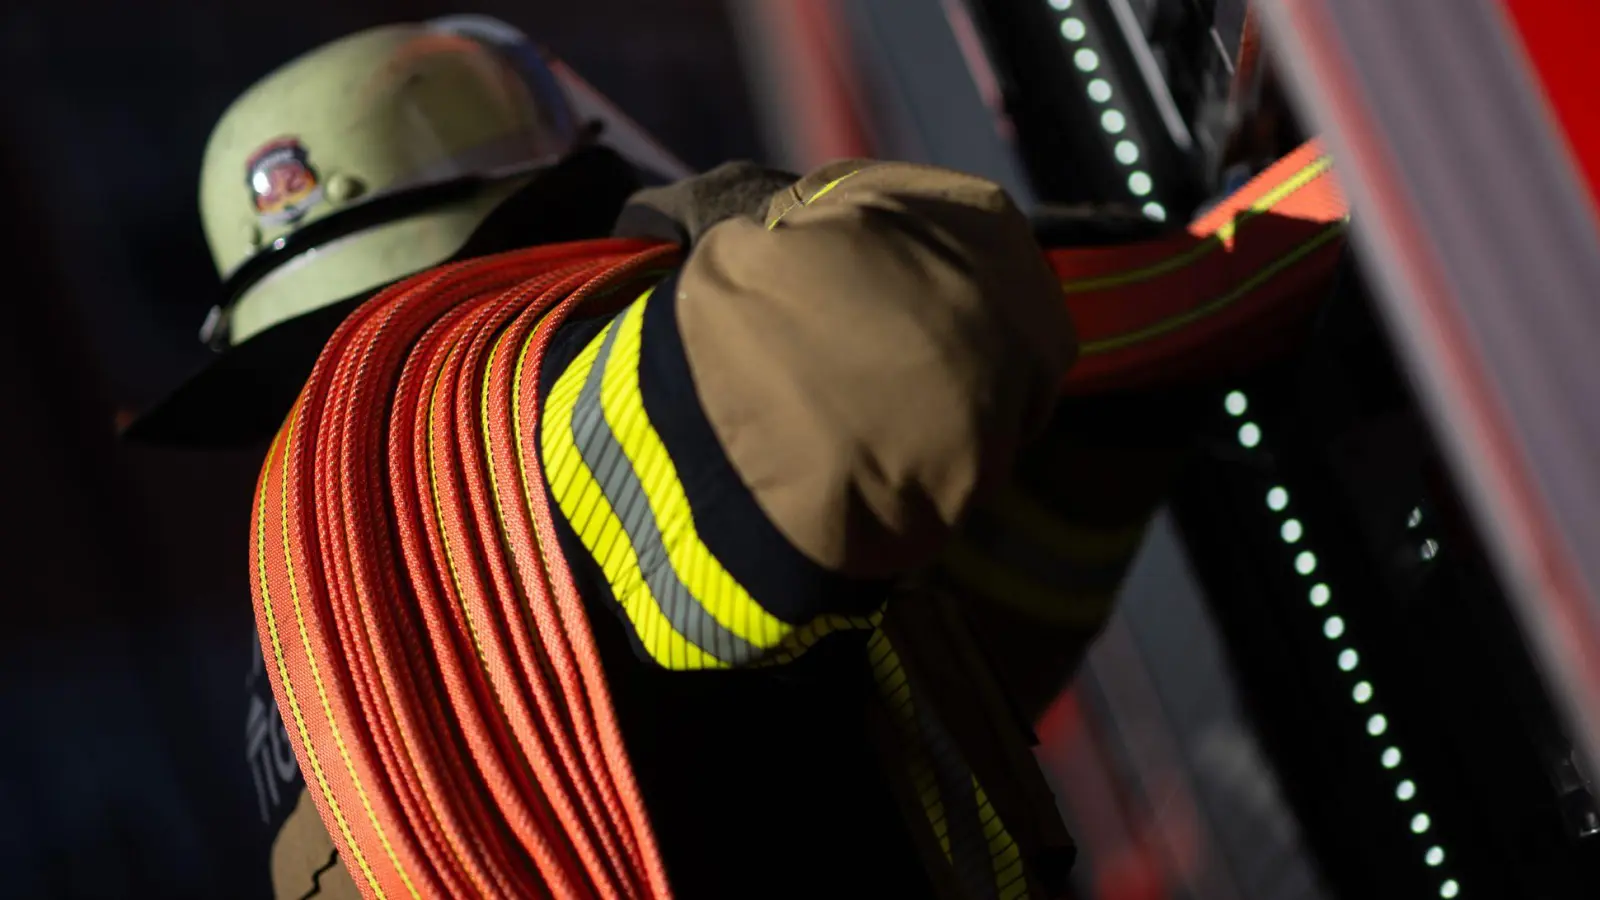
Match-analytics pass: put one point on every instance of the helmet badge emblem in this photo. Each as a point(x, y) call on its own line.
point(282, 182)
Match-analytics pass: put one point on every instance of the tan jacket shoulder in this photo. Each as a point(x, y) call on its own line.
point(871, 356)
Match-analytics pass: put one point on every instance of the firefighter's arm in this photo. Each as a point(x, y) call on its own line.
point(873, 354)
point(809, 406)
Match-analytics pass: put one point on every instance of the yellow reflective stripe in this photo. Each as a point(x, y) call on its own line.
point(926, 784)
point(823, 192)
point(1304, 176)
point(1260, 277)
point(797, 642)
point(1005, 857)
point(589, 513)
point(316, 677)
point(890, 676)
point(1009, 876)
point(700, 571)
point(617, 486)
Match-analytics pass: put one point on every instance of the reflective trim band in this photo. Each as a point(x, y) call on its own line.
point(1009, 875)
point(615, 482)
point(797, 642)
point(983, 856)
point(620, 484)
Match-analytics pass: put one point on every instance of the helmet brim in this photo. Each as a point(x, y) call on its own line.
point(241, 397)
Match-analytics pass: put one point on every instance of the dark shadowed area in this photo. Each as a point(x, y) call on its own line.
point(126, 642)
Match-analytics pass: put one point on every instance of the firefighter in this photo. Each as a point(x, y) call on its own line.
point(844, 364)
point(837, 539)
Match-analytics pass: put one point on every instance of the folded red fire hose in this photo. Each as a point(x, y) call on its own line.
point(423, 634)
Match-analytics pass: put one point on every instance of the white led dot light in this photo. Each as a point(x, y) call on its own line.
point(1292, 531)
point(1075, 30)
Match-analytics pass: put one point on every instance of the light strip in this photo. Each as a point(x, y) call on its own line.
point(1113, 121)
point(1292, 531)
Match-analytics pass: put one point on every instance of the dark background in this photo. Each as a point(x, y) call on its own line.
point(125, 637)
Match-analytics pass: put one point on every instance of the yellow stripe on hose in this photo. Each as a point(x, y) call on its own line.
point(488, 442)
point(282, 442)
point(444, 531)
point(1260, 277)
point(322, 694)
point(1311, 172)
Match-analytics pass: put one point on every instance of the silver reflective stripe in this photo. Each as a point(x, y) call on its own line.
point(620, 484)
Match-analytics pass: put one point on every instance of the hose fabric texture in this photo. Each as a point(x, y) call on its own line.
point(442, 688)
point(422, 630)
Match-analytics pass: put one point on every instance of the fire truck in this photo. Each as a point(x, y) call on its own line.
point(1359, 655)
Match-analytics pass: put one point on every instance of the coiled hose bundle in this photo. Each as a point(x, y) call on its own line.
point(429, 650)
